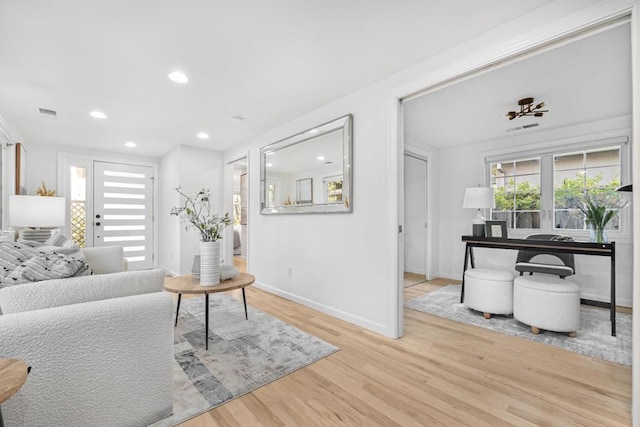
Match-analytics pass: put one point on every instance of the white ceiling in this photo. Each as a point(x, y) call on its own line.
point(268, 61)
point(582, 81)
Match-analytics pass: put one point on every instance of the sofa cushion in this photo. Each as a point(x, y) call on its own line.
point(21, 263)
point(104, 259)
point(74, 290)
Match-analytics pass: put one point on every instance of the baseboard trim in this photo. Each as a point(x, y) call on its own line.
point(342, 315)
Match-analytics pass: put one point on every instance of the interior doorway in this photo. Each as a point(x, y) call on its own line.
point(240, 214)
point(415, 219)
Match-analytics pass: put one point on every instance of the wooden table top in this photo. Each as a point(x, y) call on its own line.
point(13, 374)
point(188, 284)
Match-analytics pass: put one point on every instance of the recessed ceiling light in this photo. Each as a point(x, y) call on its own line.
point(237, 119)
point(269, 165)
point(130, 144)
point(178, 77)
point(203, 135)
point(313, 131)
point(320, 158)
point(98, 115)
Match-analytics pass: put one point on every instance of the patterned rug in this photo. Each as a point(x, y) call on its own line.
point(593, 339)
point(243, 354)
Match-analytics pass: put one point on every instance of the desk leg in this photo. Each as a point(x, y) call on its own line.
point(467, 250)
point(244, 299)
point(206, 321)
point(613, 289)
point(178, 309)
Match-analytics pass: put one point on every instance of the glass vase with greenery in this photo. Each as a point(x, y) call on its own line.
point(599, 210)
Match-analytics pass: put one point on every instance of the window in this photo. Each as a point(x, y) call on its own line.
point(543, 192)
point(517, 192)
point(594, 171)
point(332, 189)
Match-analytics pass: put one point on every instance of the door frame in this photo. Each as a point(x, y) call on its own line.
point(429, 188)
point(65, 159)
point(500, 51)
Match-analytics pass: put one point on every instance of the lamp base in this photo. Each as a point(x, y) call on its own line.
point(478, 230)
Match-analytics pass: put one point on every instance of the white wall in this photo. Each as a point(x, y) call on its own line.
point(192, 169)
point(339, 263)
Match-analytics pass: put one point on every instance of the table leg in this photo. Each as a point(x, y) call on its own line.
point(206, 321)
point(613, 289)
point(464, 268)
point(244, 298)
point(178, 309)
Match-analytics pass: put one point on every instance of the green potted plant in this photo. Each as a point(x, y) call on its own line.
point(599, 210)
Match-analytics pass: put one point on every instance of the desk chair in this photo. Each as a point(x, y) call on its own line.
point(524, 264)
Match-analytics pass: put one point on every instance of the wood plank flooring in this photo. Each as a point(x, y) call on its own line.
point(440, 373)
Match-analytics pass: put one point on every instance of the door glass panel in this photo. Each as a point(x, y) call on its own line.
point(78, 213)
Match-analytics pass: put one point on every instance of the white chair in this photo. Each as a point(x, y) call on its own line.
point(547, 303)
point(488, 291)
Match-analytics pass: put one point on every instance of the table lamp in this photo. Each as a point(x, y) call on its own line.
point(37, 215)
point(478, 198)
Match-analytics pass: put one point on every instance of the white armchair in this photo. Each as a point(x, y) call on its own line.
point(100, 348)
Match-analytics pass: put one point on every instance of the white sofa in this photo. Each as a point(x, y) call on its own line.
point(100, 347)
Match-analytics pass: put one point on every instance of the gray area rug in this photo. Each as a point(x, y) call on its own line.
point(243, 354)
point(593, 338)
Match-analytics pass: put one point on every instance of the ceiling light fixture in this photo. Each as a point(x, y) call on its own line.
point(320, 158)
point(269, 165)
point(527, 109)
point(178, 77)
point(237, 119)
point(130, 144)
point(98, 115)
point(203, 135)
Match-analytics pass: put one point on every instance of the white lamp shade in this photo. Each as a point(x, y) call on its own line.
point(36, 211)
point(479, 198)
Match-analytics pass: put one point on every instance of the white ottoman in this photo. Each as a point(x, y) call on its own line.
point(546, 302)
point(489, 291)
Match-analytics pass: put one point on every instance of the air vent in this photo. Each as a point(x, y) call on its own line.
point(48, 113)
point(517, 128)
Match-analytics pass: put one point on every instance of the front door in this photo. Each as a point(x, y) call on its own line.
point(123, 211)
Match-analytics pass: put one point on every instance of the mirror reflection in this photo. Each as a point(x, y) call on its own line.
point(309, 172)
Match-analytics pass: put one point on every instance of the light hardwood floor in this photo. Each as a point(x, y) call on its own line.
point(440, 373)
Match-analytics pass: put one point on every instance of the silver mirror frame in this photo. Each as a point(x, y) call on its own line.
point(346, 124)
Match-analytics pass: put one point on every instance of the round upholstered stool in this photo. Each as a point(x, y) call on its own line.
point(546, 302)
point(489, 291)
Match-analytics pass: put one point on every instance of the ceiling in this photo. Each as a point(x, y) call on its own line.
point(268, 62)
point(583, 81)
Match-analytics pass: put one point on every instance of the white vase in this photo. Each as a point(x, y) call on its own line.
point(209, 263)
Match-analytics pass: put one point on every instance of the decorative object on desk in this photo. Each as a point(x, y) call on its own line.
point(196, 213)
point(592, 339)
point(43, 191)
point(496, 229)
point(598, 211)
point(479, 198)
point(37, 215)
point(246, 354)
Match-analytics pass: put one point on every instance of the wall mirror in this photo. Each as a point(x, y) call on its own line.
point(309, 172)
